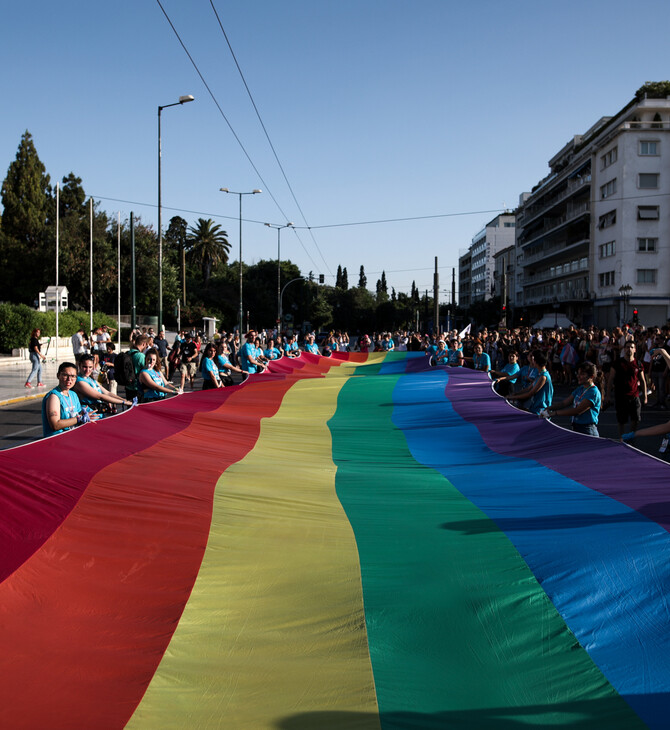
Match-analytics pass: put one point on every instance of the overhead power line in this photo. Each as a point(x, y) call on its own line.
point(267, 136)
point(230, 126)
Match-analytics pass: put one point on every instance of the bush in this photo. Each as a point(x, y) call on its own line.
point(17, 321)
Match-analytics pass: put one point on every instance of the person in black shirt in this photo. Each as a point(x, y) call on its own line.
point(189, 357)
point(36, 359)
point(162, 347)
point(626, 381)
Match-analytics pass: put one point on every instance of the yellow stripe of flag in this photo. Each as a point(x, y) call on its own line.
point(274, 627)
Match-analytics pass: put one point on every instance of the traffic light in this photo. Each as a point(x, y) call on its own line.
point(635, 317)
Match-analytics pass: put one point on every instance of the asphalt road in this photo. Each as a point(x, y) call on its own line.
point(21, 423)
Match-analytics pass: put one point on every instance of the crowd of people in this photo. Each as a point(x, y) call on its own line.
point(623, 367)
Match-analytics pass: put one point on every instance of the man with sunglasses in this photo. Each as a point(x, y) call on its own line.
point(626, 379)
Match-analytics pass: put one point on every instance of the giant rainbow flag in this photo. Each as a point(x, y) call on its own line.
point(361, 542)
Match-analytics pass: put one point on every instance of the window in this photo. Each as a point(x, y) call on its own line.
point(608, 189)
point(606, 279)
point(648, 147)
point(607, 249)
point(647, 180)
point(607, 220)
point(647, 212)
point(507, 224)
point(608, 158)
point(648, 245)
point(646, 276)
point(658, 122)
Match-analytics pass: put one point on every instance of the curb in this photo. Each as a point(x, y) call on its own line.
point(19, 399)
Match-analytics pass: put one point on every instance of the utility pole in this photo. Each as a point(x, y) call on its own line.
point(504, 298)
point(436, 298)
point(453, 294)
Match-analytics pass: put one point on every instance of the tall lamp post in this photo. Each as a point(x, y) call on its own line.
point(233, 192)
point(281, 295)
point(182, 100)
point(625, 290)
point(279, 228)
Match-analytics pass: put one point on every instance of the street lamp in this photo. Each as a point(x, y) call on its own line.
point(271, 225)
point(625, 290)
point(281, 295)
point(182, 100)
point(233, 192)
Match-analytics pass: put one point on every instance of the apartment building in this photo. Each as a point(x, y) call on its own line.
point(592, 237)
point(464, 276)
point(503, 280)
point(476, 267)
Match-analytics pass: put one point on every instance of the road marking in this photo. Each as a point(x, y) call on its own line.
point(18, 433)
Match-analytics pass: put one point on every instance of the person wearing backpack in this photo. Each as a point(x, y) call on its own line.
point(129, 366)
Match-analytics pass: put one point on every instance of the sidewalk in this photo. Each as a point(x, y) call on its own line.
point(13, 375)
point(14, 372)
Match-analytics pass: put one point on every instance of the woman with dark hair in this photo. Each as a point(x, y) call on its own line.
point(36, 359)
point(91, 393)
point(541, 392)
point(584, 403)
point(153, 385)
point(209, 369)
point(224, 364)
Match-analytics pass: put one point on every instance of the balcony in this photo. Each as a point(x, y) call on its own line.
point(549, 252)
point(645, 125)
point(572, 213)
point(576, 295)
point(535, 211)
point(547, 275)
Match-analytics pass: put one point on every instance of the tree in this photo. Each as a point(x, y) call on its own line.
point(342, 278)
point(75, 245)
point(208, 246)
point(27, 203)
point(321, 312)
point(72, 198)
point(26, 195)
point(175, 245)
point(362, 279)
point(175, 239)
point(653, 90)
point(356, 310)
point(382, 289)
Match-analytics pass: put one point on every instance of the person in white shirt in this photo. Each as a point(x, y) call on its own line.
point(79, 343)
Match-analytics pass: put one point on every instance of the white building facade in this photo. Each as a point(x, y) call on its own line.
point(593, 236)
point(496, 235)
point(631, 221)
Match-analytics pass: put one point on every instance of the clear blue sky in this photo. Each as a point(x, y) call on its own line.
point(377, 109)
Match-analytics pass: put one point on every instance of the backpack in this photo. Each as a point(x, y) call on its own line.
point(124, 370)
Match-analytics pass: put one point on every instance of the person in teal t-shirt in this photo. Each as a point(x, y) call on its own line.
point(585, 401)
point(541, 392)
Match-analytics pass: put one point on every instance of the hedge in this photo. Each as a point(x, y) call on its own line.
point(17, 321)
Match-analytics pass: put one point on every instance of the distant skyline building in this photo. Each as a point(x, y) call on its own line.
point(476, 267)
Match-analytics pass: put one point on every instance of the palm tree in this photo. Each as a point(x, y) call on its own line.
point(208, 246)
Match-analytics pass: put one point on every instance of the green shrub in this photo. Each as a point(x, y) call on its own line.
point(17, 321)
